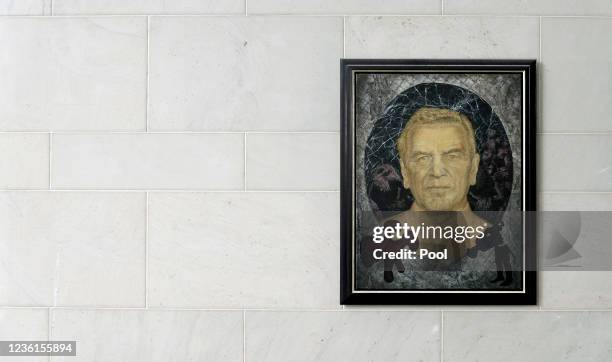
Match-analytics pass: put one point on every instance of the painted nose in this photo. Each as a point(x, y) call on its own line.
point(437, 167)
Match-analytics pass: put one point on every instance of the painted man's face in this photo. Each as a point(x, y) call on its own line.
point(438, 168)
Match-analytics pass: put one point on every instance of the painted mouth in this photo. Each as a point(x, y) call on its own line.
point(435, 188)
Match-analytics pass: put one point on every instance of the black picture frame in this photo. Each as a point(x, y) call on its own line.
point(348, 69)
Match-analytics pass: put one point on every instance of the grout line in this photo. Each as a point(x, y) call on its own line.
point(243, 335)
point(50, 156)
point(49, 325)
point(51, 7)
point(147, 251)
point(179, 309)
point(245, 161)
point(203, 15)
point(581, 310)
point(539, 309)
point(145, 132)
point(593, 133)
point(297, 132)
point(254, 191)
point(26, 307)
point(50, 330)
point(344, 37)
point(377, 308)
point(148, 71)
point(576, 192)
point(540, 38)
point(309, 310)
point(442, 7)
point(172, 190)
point(441, 336)
point(246, 7)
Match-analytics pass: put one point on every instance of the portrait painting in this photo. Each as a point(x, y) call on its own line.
point(438, 175)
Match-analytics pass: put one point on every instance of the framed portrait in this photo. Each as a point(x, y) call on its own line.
point(438, 179)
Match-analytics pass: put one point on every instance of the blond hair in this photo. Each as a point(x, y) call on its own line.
point(435, 116)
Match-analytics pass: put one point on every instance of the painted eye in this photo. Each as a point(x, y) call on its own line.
point(452, 156)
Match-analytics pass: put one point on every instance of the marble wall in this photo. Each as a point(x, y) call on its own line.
point(169, 176)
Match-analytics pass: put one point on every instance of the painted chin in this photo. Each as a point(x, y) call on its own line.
point(439, 199)
point(439, 204)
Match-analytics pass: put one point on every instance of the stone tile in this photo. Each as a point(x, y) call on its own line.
point(576, 289)
point(585, 166)
point(24, 161)
point(528, 7)
point(344, 7)
point(234, 250)
point(589, 285)
point(441, 37)
point(80, 7)
point(245, 73)
point(342, 336)
point(145, 335)
point(73, 73)
point(59, 248)
point(576, 74)
point(20, 324)
point(293, 161)
point(148, 161)
point(552, 201)
point(25, 7)
point(527, 336)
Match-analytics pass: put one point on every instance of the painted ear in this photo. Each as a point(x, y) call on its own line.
point(404, 175)
point(474, 169)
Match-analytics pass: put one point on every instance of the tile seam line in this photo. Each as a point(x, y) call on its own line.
point(143, 133)
point(344, 37)
point(238, 191)
point(245, 188)
point(146, 251)
point(298, 310)
point(132, 190)
point(339, 15)
point(175, 309)
point(107, 133)
point(311, 310)
point(148, 87)
point(576, 192)
point(50, 155)
point(442, 336)
point(576, 133)
point(373, 310)
point(539, 44)
point(49, 327)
